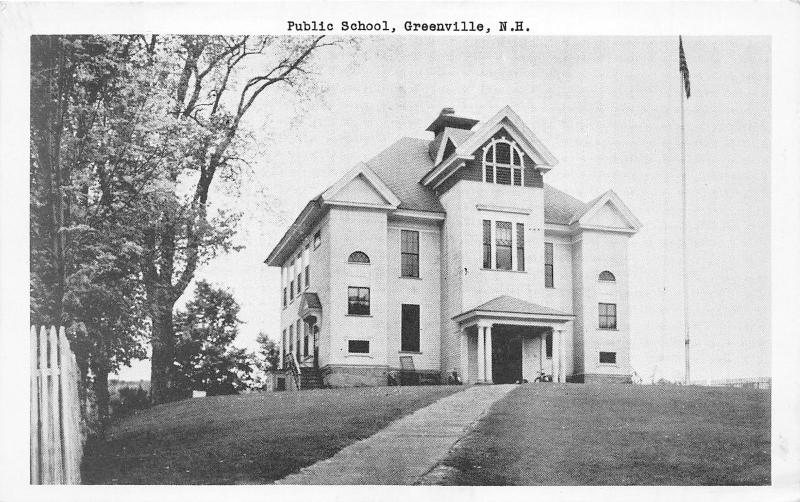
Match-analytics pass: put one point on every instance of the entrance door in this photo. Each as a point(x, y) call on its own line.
point(506, 358)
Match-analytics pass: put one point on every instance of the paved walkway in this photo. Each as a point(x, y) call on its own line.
point(403, 452)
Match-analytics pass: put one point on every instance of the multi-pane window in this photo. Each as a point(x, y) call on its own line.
point(606, 276)
point(358, 257)
point(487, 244)
point(291, 280)
point(357, 301)
point(548, 346)
point(502, 163)
point(608, 357)
point(299, 272)
point(548, 264)
point(291, 339)
point(521, 247)
point(503, 245)
point(358, 346)
point(284, 296)
point(409, 253)
point(608, 315)
point(409, 328)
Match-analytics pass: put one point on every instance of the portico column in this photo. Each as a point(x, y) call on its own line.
point(561, 369)
point(556, 357)
point(542, 351)
point(488, 353)
point(481, 354)
point(464, 370)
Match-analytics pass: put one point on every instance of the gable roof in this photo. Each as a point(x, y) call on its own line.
point(361, 170)
point(512, 305)
point(400, 167)
point(583, 218)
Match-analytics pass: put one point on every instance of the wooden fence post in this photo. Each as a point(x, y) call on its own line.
point(35, 390)
point(56, 440)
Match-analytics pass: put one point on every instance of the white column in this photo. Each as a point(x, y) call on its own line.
point(481, 354)
point(489, 354)
point(543, 351)
point(560, 341)
point(463, 372)
point(556, 357)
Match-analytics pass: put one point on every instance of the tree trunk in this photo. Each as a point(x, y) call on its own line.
point(162, 381)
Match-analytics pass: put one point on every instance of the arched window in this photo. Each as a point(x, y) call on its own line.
point(358, 257)
point(502, 163)
point(607, 276)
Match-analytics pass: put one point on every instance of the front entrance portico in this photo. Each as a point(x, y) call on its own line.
point(492, 333)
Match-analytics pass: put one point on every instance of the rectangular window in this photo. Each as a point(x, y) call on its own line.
point(608, 315)
point(357, 301)
point(317, 239)
point(299, 329)
point(517, 175)
point(548, 346)
point(503, 244)
point(548, 264)
point(358, 346)
point(291, 339)
point(299, 272)
point(608, 358)
point(284, 296)
point(307, 262)
point(409, 328)
point(489, 173)
point(285, 343)
point(409, 253)
point(521, 247)
point(291, 290)
point(487, 244)
point(305, 340)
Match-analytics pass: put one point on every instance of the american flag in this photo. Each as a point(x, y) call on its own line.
point(683, 68)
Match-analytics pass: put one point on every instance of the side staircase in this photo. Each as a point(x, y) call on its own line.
point(311, 378)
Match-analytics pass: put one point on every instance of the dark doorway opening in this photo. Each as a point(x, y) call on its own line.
point(506, 356)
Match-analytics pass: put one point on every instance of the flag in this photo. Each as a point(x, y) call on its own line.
point(683, 68)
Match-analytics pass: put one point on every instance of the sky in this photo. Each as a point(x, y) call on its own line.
point(608, 108)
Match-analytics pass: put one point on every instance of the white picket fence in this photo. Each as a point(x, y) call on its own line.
point(56, 440)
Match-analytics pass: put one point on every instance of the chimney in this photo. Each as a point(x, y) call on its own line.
point(447, 118)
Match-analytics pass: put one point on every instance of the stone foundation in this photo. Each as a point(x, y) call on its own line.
point(599, 378)
point(354, 376)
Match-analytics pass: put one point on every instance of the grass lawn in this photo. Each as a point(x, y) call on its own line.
point(570, 434)
point(255, 438)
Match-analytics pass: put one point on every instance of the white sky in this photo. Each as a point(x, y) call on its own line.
point(609, 110)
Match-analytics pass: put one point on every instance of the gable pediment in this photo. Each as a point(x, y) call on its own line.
point(607, 212)
point(361, 187)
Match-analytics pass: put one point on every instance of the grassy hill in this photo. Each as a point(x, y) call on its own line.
point(562, 434)
point(251, 438)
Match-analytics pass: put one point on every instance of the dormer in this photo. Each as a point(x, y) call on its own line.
point(449, 131)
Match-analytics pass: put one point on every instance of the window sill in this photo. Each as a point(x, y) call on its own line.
point(549, 287)
point(608, 365)
point(358, 263)
point(410, 277)
point(356, 354)
point(358, 315)
point(410, 352)
point(504, 270)
point(607, 329)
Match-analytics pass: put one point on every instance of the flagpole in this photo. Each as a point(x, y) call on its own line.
point(683, 234)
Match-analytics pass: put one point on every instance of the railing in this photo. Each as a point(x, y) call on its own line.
point(294, 369)
point(56, 440)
